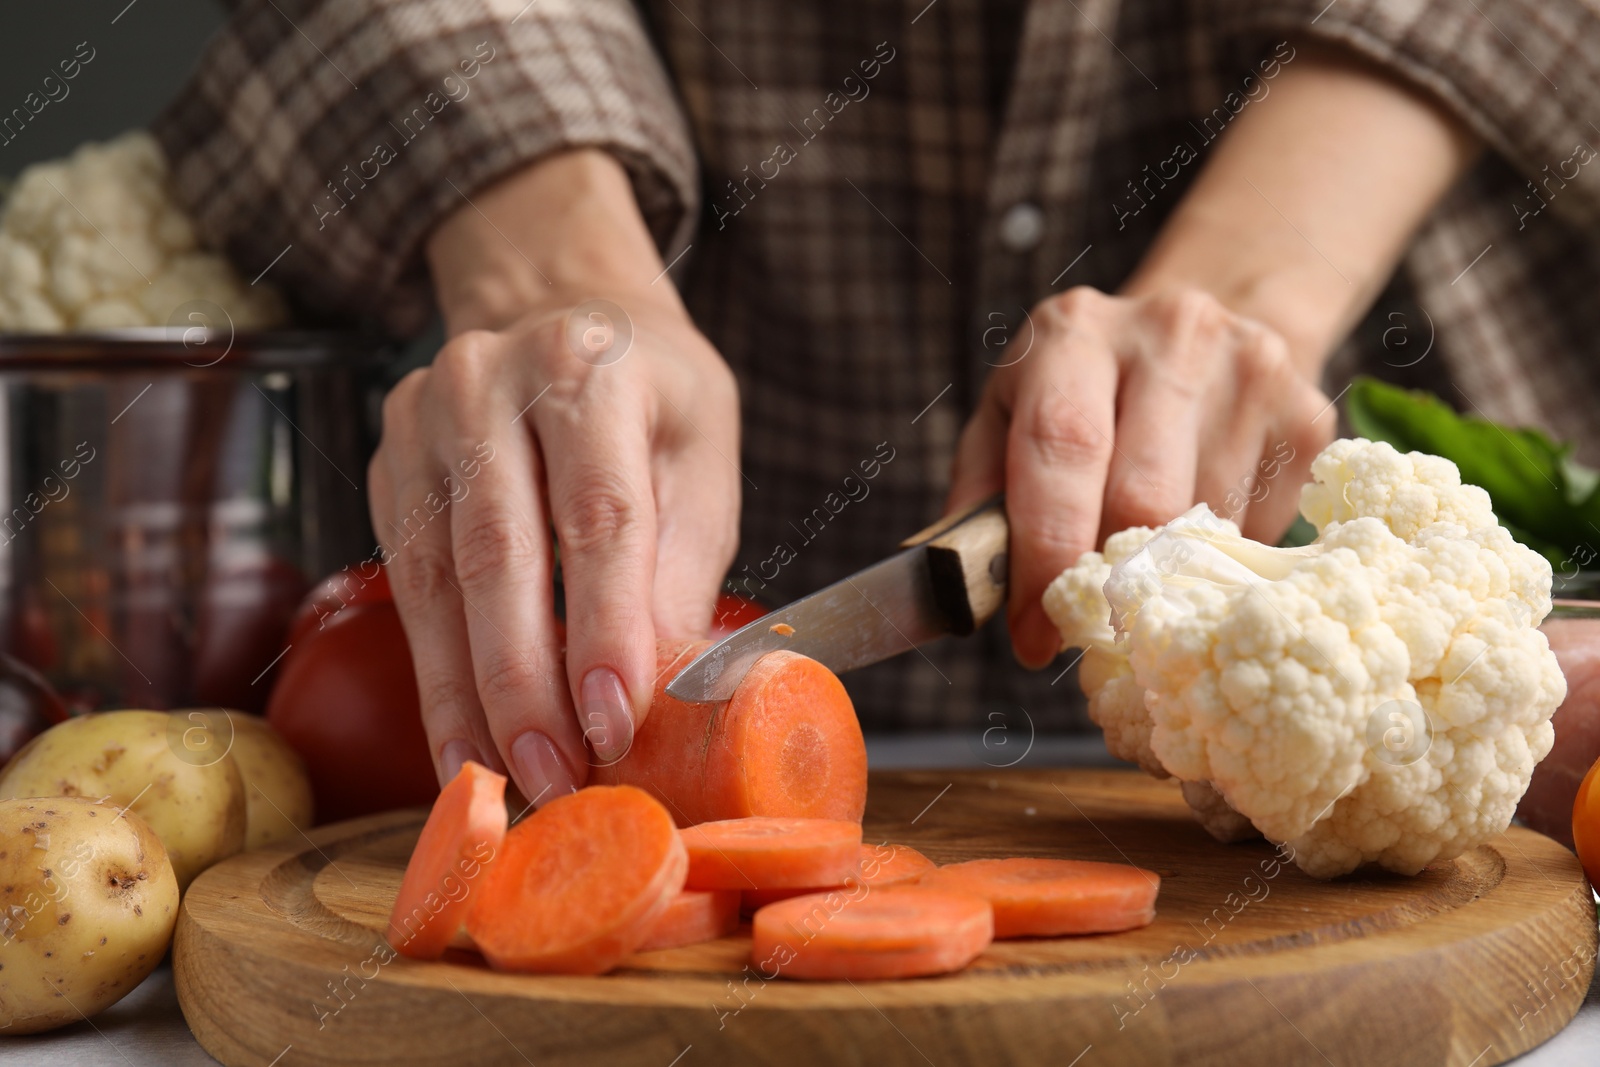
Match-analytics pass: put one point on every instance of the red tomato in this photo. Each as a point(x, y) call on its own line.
point(1586, 824)
point(346, 700)
point(732, 613)
point(359, 583)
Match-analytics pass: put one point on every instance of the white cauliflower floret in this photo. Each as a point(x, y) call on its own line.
point(1379, 696)
point(1076, 603)
point(96, 242)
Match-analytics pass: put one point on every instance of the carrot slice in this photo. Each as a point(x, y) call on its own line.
point(787, 743)
point(767, 853)
point(898, 932)
point(880, 865)
point(579, 884)
point(463, 832)
point(695, 915)
point(1044, 898)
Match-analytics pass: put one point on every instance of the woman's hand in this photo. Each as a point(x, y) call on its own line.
point(1197, 381)
point(1123, 412)
point(603, 426)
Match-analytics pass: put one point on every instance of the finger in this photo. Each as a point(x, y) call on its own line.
point(416, 553)
point(597, 453)
point(979, 471)
point(502, 565)
point(1058, 452)
point(1151, 478)
point(1307, 423)
point(697, 534)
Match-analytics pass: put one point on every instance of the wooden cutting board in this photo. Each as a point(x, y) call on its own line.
point(280, 958)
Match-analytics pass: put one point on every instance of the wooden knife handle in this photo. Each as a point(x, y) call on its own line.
point(967, 559)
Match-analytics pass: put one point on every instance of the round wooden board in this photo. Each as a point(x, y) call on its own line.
point(280, 958)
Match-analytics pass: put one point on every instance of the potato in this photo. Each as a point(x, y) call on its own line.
point(163, 765)
point(87, 904)
point(277, 789)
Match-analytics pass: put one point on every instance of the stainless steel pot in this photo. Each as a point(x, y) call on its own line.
point(170, 496)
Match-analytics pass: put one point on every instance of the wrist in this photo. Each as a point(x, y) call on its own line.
point(564, 230)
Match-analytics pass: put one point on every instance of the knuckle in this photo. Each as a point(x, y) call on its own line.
point(400, 402)
point(600, 512)
point(444, 699)
point(1187, 312)
point(505, 677)
point(1263, 354)
point(491, 545)
point(1077, 302)
point(1063, 435)
point(421, 574)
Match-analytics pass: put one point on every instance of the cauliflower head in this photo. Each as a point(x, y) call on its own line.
point(96, 241)
point(1380, 696)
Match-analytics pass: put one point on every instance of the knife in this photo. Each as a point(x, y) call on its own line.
point(947, 579)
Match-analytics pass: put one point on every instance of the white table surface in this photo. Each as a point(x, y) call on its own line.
point(146, 1027)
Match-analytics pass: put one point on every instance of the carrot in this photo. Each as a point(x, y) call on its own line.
point(695, 915)
point(898, 932)
point(1044, 898)
point(463, 832)
point(880, 865)
point(579, 884)
point(786, 744)
point(767, 853)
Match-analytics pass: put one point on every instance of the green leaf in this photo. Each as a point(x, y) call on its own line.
point(1540, 492)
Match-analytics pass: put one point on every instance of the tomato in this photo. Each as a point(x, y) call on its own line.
point(359, 583)
point(1586, 824)
point(346, 700)
point(732, 613)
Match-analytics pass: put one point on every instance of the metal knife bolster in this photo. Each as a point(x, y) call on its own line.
point(947, 579)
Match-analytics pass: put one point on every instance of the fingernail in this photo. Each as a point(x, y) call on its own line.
point(607, 715)
point(540, 768)
point(453, 755)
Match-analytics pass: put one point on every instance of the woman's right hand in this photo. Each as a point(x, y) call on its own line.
point(575, 410)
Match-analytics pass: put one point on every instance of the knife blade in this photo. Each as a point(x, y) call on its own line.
point(947, 579)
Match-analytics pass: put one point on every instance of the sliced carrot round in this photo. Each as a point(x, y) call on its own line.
point(898, 932)
point(787, 743)
point(769, 853)
point(879, 865)
point(1045, 898)
point(579, 884)
point(695, 915)
point(463, 832)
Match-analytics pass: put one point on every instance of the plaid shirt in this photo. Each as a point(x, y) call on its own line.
point(871, 191)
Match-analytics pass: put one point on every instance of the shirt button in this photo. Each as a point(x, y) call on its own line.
point(1021, 227)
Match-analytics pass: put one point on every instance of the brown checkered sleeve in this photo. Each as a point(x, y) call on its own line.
point(1523, 74)
point(338, 133)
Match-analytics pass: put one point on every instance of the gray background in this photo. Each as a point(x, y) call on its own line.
point(140, 62)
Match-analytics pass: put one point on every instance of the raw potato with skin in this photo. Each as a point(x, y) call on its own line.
point(278, 801)
point(87, 905)
point(1264, 673)
point(132, 758)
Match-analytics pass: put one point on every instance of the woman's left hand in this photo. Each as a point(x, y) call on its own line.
point(1124, 412)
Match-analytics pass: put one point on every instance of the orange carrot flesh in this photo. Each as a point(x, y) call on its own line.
point(579, 884)
point(898, 932)
point(880, 865)
point(768, 853)
point(1046, 898)
point(695, 915)
point(787, 743)
point(464, 831)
